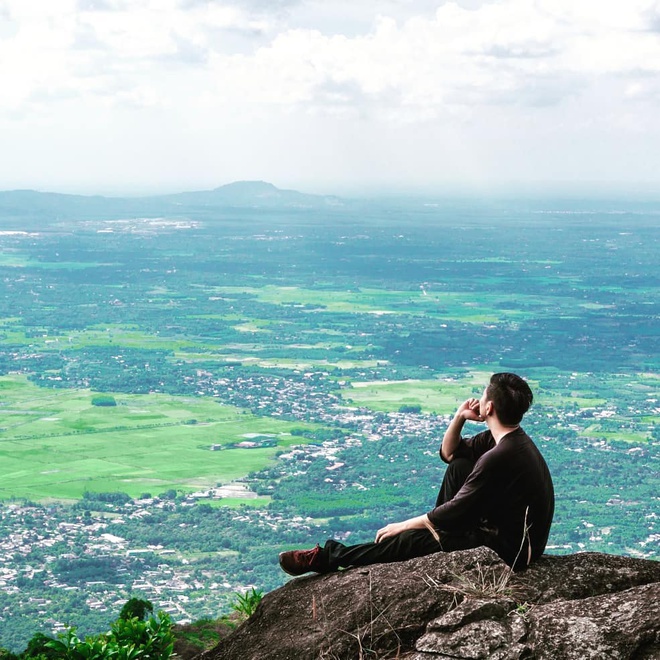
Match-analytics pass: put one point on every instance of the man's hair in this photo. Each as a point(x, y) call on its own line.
point(511, 397)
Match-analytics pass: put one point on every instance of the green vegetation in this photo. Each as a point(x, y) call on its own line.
point(283, 377)
point(201, 635)
point(136, 608)
point(440, 396)
point(104, 400)
point(247, 603)
point(135, 635)
point(57, 444)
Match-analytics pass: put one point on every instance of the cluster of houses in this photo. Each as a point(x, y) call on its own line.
point(31, 544)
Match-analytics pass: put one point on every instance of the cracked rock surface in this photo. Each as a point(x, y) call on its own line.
point(460, 605)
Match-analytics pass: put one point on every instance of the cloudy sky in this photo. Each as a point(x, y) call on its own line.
point(132, 96)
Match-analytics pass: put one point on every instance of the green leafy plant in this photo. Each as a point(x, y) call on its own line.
point(247, 603)
point(71, 647)
point(128, 639)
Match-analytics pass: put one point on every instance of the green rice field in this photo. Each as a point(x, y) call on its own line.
point(54, 444)
point(448, 305)
point(441, 396)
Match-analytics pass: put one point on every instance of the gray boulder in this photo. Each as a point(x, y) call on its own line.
point(460, 605)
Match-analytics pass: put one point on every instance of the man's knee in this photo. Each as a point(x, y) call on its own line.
point(459, 469)
point(455, 475)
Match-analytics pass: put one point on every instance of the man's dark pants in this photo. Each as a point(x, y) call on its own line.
point(412, 543)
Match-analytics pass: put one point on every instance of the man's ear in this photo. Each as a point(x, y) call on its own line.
point(489, 408)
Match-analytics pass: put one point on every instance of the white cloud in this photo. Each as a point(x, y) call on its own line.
point(514, 51)
point(249, 72)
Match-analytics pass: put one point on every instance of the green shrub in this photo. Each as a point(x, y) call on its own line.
point(6, 654)
point(128, 639)
point(410, 409)
point(136, 608)
point(103, 400)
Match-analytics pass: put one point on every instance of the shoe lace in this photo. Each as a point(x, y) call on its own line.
point(309, 557)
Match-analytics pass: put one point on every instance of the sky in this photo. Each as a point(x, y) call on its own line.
point(146, 96)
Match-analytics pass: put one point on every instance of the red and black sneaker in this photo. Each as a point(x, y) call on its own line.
point(297, 562)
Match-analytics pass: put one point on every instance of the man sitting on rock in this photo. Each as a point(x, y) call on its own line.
point(497, 491)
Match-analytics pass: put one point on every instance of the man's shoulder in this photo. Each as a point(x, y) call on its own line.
point(480, 444)
point(474, 447)
point(483, 439)
point(519, 449)
point(517, 437)
point(509, 445)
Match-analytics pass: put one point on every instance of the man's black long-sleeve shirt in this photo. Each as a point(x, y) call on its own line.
point(509, 489)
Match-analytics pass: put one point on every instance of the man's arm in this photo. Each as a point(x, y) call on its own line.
point(394, 529)
point(467, 410)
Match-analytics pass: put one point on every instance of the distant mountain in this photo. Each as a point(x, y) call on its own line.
point(253, 194)
point(32, 204)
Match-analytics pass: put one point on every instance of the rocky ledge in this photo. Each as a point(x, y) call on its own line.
point(464, 605)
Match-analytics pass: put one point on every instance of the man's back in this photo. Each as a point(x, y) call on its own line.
point(509, 491)
point(522, 498)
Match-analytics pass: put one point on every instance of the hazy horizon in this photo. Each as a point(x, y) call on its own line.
point(601, 191)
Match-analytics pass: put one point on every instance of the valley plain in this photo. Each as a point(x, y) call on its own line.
point(281, 374)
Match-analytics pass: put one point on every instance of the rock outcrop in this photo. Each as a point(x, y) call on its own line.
point(460, 605)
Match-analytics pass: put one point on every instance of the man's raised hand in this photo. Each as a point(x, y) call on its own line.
point(469, 410)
